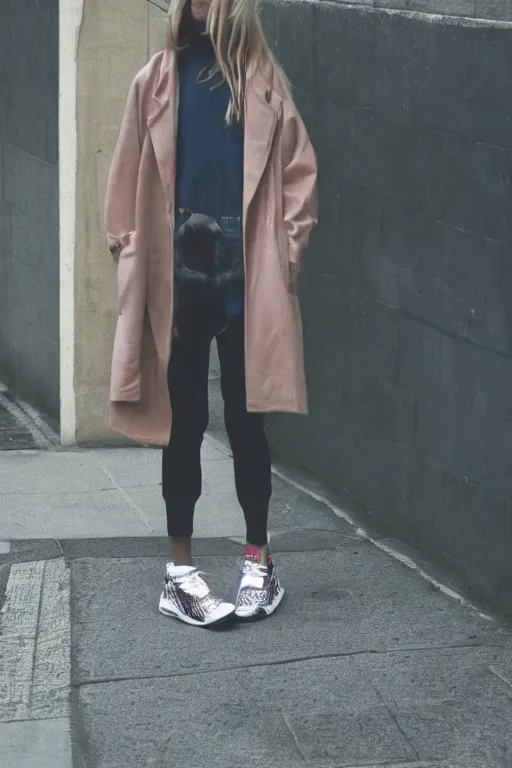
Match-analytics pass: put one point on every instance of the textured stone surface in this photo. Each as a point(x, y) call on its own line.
point(495, 10)
point(29, 226)
point(19, 630)
point(36, 744)
point(113, 46)
point(438, 697)
point(352, 600)
point(13, 435)
point(104, 493)
point(72, 515)
point(405, 291)
point(364, 664)
point(235, 725)
point(34, 642)
point(52, 472)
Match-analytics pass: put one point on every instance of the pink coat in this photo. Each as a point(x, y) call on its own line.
point(279, 212)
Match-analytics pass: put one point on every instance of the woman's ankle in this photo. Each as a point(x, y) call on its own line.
point(180, 550)
point(258, 553)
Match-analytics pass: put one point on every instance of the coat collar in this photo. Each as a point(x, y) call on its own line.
point(161, 124)
point(262, 109)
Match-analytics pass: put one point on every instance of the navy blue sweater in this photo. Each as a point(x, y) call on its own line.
point(210, 160)
point(210, 154)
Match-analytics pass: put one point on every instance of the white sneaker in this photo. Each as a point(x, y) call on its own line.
point(259, 591)
point(187, 597)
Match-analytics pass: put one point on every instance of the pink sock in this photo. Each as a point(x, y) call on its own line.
point(260, 554)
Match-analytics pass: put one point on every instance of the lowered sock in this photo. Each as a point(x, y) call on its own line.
point(260, 554)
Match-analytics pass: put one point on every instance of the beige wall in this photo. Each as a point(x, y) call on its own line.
point(116, 39)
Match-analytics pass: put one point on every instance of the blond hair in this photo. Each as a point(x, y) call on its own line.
point(238, 40)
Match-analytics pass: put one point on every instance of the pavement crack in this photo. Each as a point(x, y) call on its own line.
point(126, 496)
point(500, 676)
point(393, 764)
point(394, 718)
point(294, 737)
point(276, 663)
point(34, 654)
point(59, 544)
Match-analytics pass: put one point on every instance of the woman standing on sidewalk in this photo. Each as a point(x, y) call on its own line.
point(210, 202)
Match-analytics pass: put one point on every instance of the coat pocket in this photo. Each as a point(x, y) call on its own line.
point(125, 375)
point(284, 252)
point(125, 382)
point(126, 267)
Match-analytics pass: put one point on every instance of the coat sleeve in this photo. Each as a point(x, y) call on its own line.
point(300, 204)
point(123, 178)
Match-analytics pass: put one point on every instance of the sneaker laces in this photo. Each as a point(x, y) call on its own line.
point(253, 576)
point(253, 568)
point(252, 589)
point(194, 585)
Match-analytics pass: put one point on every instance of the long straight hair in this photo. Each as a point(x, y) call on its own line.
point(238, 40)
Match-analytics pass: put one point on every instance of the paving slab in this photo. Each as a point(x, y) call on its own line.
point(36, 744)
point(216, 514)
point(448, 702)
point(34, 642)
point(19, 622)
point(14, 433)
point(469, 733)
point(502, 667)
point(353, 601)
point(132, 467)
point(436, 675)
point(332, 709)
point(26, 550)
point(117, 492)
point(35, 666)
point(203, 722)
point(44, 472)
point(319, 713)
point(331, 706)
point(70, 515)
point(138, 472)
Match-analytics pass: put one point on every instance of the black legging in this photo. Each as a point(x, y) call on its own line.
point(188, 387)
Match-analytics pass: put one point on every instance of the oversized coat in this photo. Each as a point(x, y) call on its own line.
point(279, 211)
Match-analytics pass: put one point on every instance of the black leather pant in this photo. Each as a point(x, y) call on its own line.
point(188, 387)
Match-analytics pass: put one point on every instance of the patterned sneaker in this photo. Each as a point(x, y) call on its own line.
point(259, 591)
point(188, 598)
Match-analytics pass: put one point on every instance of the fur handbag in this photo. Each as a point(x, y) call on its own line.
point(206, 261)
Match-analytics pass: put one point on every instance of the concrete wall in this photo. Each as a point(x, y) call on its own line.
point(407, 288)
point(474, 9)
point(29, 253)
point(116, 39)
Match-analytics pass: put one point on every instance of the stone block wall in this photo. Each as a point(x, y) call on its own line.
point(407, 287)
point(29, 201)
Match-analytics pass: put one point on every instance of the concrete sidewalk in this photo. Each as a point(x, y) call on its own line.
point(365, 664)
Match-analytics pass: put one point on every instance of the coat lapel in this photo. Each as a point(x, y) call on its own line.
point(162, 125)
point(261, 115)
